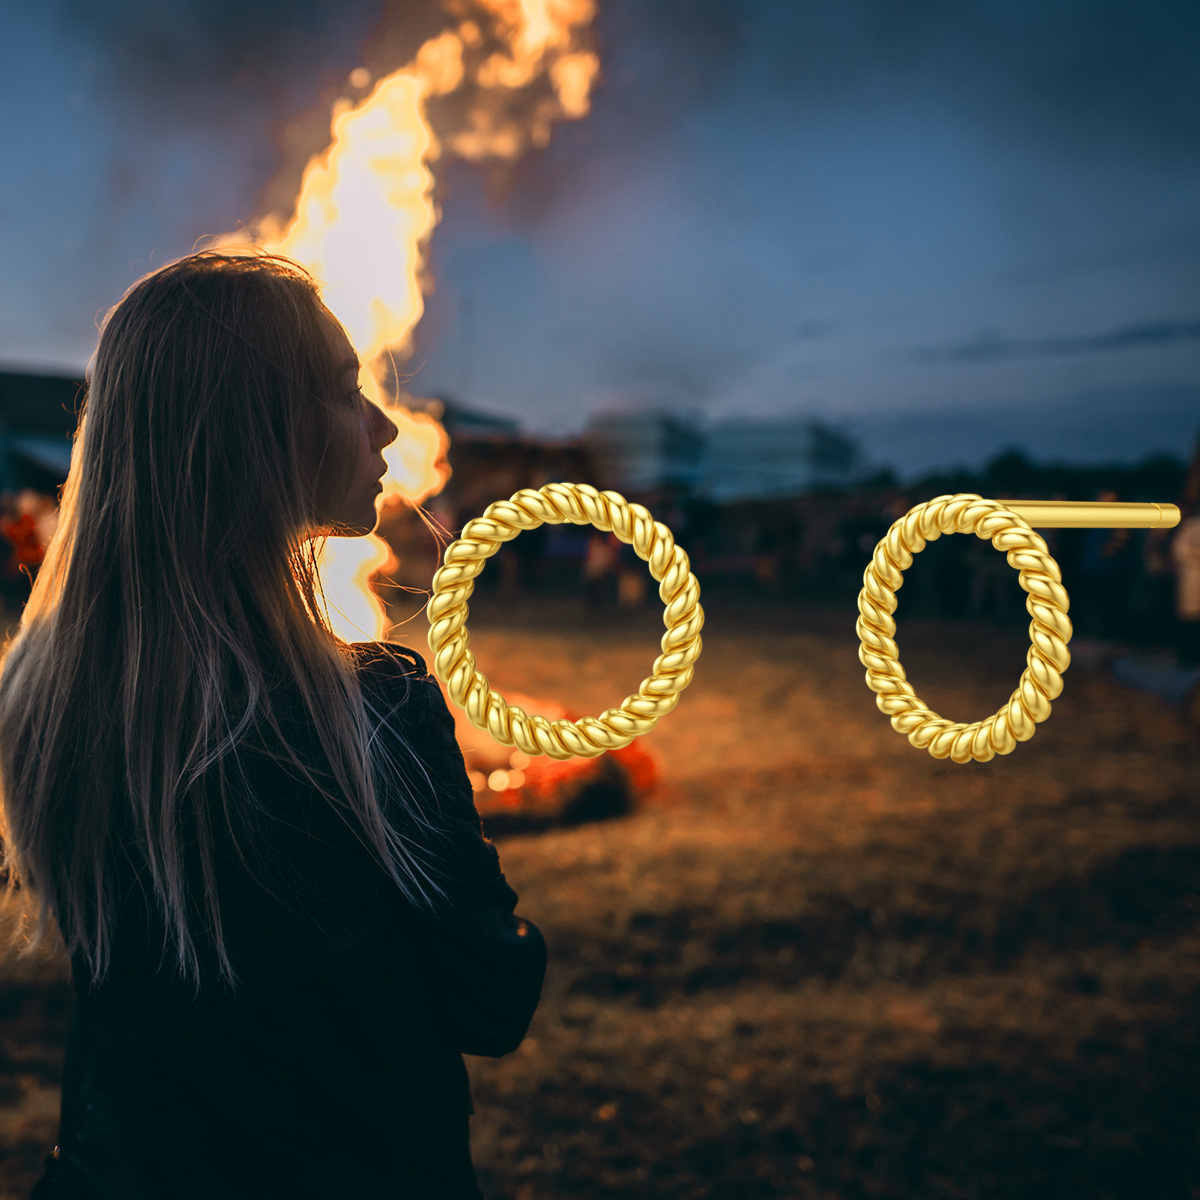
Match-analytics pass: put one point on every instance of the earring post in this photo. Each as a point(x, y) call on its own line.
point(1093, 514)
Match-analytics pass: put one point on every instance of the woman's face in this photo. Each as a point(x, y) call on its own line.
point(352, 465)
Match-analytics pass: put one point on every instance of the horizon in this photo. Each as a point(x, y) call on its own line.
point(1073, 433)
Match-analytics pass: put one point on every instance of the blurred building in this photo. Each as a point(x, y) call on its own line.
point(38, 414)
point(462, 421)
point(763, 458)
point(490, 457)
point(740, 458)
point(645, 451)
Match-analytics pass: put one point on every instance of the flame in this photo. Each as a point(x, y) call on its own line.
point(365, 212)
point(365, 209)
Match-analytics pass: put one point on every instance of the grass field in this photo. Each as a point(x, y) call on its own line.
point(819, 963)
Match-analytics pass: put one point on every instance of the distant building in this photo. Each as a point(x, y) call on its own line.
point(38, 414)
point(642, 451)
point(743, 458)
point(461, 420)
point(762, 457)
point(490, 458)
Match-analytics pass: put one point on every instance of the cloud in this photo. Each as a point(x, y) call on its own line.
point(990, 347)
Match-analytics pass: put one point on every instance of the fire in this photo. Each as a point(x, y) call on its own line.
point(365, 213)
point(416, 470)
point(365, 209)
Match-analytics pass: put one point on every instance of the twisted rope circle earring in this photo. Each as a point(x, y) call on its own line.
point(554, 504)
point(1049, 631)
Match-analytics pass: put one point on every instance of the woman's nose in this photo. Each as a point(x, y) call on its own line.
point(384, 430)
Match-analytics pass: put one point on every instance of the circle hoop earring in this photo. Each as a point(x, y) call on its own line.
point(554, 504)
point(1049, 630)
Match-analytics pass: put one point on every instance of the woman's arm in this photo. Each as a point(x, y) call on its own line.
point(483, 965)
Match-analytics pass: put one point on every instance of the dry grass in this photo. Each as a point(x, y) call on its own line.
point(35, 1007)
point(819, 963)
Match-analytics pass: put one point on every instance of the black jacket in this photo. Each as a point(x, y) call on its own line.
point(335, 1070)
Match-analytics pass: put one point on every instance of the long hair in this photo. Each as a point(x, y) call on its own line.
point(181, 576)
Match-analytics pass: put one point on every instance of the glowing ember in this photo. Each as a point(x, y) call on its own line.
point(509, 784)
point(365, 213)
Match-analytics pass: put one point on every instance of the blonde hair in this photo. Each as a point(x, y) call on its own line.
point(182, 571)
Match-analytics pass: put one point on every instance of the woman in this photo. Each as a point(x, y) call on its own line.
point(259, 842)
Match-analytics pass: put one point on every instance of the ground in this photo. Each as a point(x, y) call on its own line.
point(818, 962)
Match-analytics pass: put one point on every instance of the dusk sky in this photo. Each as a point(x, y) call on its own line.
point(949, 226)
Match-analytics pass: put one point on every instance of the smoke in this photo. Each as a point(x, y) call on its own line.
point(174, 59)
point(1077, 69)
point(1085, 76)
